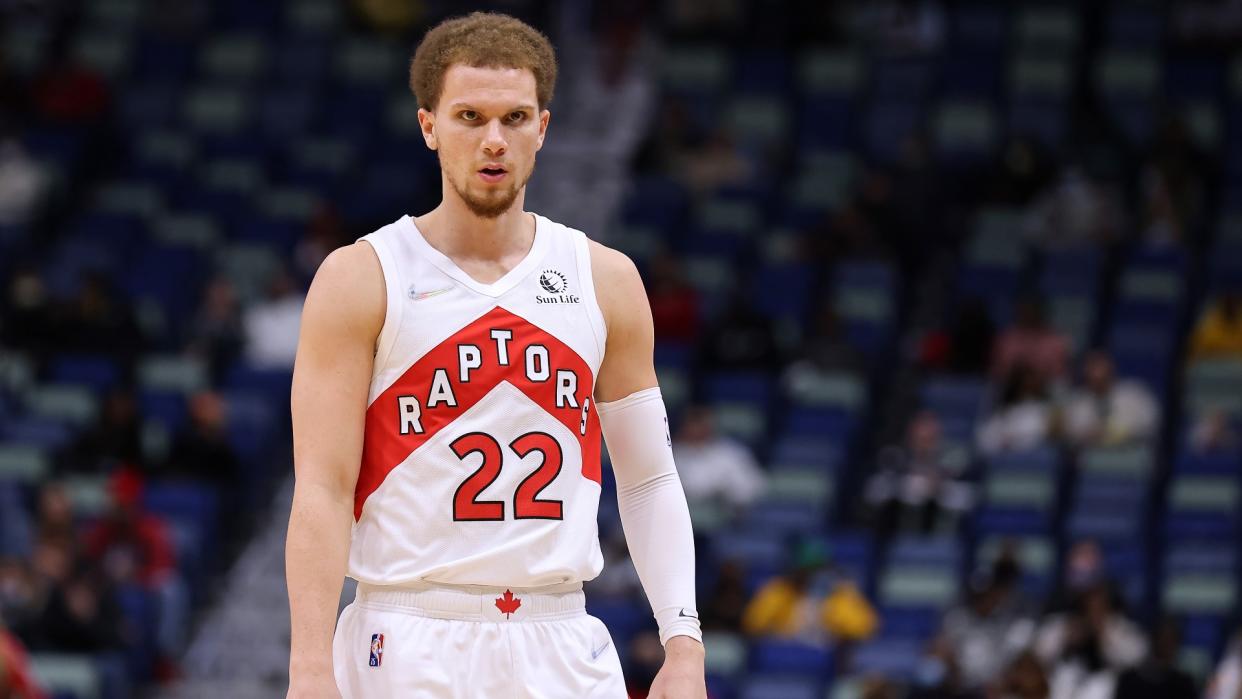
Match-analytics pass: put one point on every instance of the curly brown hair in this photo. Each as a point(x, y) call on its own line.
point(481, 40)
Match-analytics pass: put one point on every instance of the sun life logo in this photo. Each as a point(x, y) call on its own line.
point(553, 281)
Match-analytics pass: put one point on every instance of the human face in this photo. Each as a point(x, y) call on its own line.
point(486, 130)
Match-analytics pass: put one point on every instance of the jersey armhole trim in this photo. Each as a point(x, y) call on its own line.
point(595, 314)
point(394, 313)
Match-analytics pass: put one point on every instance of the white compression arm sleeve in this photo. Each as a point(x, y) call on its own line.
point(653, 508)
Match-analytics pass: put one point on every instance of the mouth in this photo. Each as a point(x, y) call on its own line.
point(492, 174)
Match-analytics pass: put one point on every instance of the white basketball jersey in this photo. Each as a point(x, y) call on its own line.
point(481, 460)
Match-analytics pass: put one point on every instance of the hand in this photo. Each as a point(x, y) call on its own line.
point(682, 675)
point(313, 687)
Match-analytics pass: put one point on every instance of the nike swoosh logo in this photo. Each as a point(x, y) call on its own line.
point(688, 616)
point(428, 294)
point(595, 653)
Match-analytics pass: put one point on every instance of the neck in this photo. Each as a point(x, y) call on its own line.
point(453, 229)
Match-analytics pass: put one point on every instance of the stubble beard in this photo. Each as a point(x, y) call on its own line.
point(490, 207)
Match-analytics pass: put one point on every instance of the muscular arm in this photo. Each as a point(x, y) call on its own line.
point(652, 503)
point(342, 317)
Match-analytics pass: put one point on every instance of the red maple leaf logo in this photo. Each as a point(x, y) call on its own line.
point(508, 604)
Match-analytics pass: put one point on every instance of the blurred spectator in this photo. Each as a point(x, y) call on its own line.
point(393, 16)
point(55, 521)
point(937, 675)
point(992, 628)
point(1023, 171)
point(810, 603)
point(917, 482)
point(1213, 431)
point(1031, 341)
point(201, 450)
point(19, 602)
point(716, 164)
point(619, 578)
point(1105, 411)
point(1074, 211)
point(1023, 418)
point(17, 681)
point(1084, 568)
point(80, 616)
point(272, 325)
point(674, 303)
point(28, 318)
point(742, 338)
point(878, 688)
point(902, 27)
point(713, 467)
point(100, 322)
point(825, 355)
point(1226, 679)
point(1023, 679)
point(722, 610)
point(324, 233)
point(116, 436)
point(217, 334)
point(1158, 677)
point(1218, 334)
point(966, 346)
point(132, 545)
point(1163, 226)
point(22, 182)
point(1089, 646)
point(68, 92)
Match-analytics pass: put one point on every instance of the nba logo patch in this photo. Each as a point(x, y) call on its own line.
point(377, 650)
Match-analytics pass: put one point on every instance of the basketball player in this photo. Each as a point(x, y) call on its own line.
point(455, 374)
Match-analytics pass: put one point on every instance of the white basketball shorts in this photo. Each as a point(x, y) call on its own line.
point(473, 643)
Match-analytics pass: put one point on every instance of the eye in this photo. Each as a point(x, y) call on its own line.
point(515, 117)
point(469, 115)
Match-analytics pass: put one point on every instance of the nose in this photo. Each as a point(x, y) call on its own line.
point(494, 139)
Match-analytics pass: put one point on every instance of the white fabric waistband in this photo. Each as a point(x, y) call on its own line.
point(477, 603)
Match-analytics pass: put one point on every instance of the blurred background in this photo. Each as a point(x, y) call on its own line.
point(946, 299)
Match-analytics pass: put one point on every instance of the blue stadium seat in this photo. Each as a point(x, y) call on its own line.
point(772, 656)
point(781, 687)
point(99, 372)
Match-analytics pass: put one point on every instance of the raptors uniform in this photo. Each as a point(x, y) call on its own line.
point(475, 508)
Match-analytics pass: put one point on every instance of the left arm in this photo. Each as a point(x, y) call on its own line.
point(650, 498)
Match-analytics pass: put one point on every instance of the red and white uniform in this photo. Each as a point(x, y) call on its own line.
point(480, 464)
point(480, 474)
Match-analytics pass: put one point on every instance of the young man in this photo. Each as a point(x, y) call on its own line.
point(454, 374)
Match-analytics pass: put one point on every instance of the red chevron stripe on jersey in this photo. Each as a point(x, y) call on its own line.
point(431, 394)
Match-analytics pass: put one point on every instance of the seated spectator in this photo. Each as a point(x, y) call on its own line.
point(1033, 343)
point(101, 322)
point(22, 183)
point(115, 438)
point(217, 335)
point(963, 348)
point(29, 319)
point(917, 482)
point(80, 616)
point(674, 303)
point(1089, 646)
point(825, 354)
point(132, 545)
point(937, 675)
point(1105, 411)
point(1158, 677)
point(1084, 568)
point(810, 603)
point(272, 325)
point(713, 467)
point(201, 450)
point(1074, 211)
point(642, 663)
point(1214, 432)
point(741, 339)
point(722, 610)
point(992, 628)
point(1023, 418)
point(19, 603)
point(1218, 334)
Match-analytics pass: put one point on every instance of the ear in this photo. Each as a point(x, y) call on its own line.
point(427, 123)
point(544, 116)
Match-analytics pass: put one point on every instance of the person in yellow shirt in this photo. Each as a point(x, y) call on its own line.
point(1218, 335)
point(800, 606)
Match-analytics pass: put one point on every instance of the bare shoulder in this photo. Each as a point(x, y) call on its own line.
point(349, 287)
point(617, 285)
